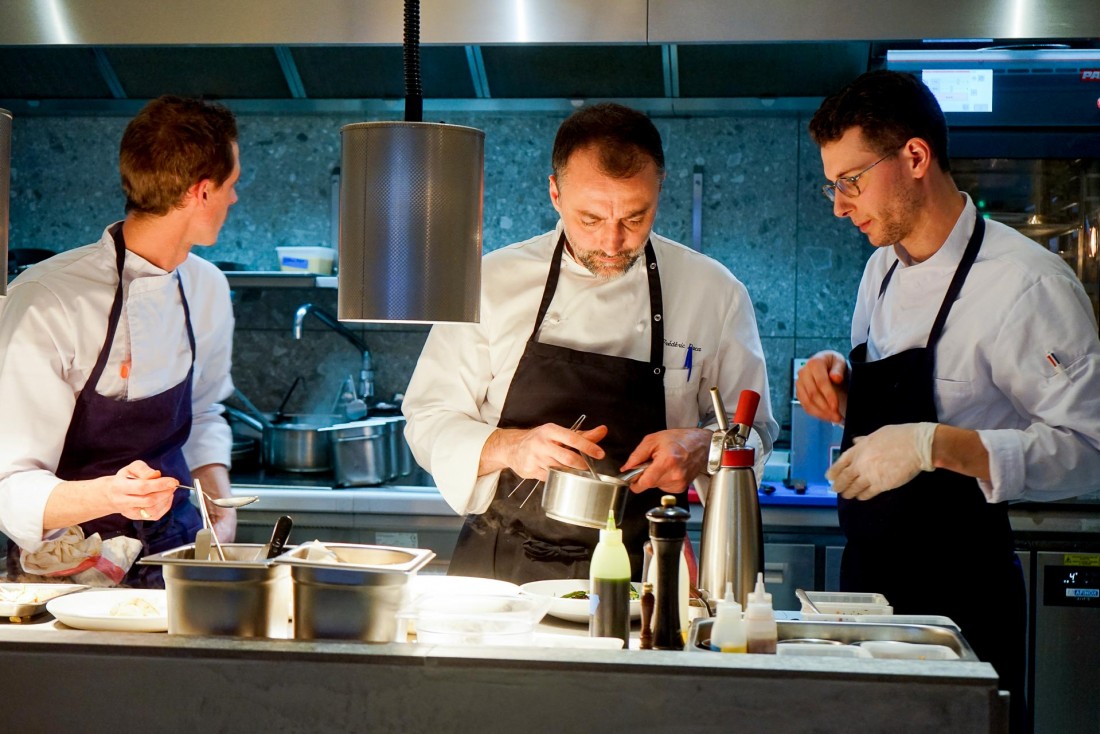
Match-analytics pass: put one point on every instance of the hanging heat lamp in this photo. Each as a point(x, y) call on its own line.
point(410, 211)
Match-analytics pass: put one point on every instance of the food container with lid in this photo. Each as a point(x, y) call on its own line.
point(353, 592)
point(241, 596)
point(306, 259)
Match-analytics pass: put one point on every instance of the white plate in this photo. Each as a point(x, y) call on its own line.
point(571, 610)
point(91, 610)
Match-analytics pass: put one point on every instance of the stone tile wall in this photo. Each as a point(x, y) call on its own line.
point(763, 216)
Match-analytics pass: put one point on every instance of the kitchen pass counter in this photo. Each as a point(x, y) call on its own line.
point(168, 683)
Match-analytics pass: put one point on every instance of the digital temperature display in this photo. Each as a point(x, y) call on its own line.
point(961, 90)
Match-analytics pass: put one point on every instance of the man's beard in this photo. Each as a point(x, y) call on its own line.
point(592, 260)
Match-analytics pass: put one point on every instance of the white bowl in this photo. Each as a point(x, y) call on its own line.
point(572, 610)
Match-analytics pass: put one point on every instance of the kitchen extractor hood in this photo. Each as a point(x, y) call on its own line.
point(73, 56)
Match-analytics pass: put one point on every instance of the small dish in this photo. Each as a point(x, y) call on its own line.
point(20, 601)
point(572, 610)
point(107, 609)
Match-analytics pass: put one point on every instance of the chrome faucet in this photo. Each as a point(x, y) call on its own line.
point(366, 369)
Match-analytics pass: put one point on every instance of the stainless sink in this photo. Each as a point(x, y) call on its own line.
point(848, 633)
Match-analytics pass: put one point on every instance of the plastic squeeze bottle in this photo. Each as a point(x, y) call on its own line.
point(609, 586)
point(727, 634)
point(760, 628)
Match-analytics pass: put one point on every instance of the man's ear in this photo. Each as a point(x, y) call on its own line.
point(919, 156)
point(555, 194)
point(197, 191)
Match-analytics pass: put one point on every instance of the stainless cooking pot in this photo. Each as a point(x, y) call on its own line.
point(576, 497)
point(362, 452)
point(295, 444)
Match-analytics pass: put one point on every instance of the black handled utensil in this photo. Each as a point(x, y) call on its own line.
point(279, 536)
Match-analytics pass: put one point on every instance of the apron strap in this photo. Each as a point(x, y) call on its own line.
point(970, 255)
point(968, 258)
point(656, 301)
point(116, 310)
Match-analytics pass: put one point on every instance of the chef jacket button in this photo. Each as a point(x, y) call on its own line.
point(656, 317)
point(553, 318)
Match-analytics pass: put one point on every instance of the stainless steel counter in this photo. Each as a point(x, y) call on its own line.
point(174, 683)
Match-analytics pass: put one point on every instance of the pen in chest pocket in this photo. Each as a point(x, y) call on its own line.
point(687, 360)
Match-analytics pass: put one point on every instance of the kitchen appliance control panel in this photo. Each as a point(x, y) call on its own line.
point(1072, 586)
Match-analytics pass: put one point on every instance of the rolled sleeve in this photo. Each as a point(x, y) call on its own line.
point(1006, 465)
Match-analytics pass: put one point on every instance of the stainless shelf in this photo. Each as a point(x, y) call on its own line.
point(277, 279)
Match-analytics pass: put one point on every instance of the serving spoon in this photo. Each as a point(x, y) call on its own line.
point(233, 502)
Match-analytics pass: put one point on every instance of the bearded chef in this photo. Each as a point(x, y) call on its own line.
point(113, 356)
point(601, 318)
point(974, 378)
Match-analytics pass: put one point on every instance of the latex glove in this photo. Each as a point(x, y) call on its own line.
point(884, 460)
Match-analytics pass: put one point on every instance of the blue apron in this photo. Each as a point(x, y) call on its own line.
point(934, 545)
point(106, 434)
point(554, 384)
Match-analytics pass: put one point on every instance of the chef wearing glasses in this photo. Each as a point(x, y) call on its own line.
point(974, 377)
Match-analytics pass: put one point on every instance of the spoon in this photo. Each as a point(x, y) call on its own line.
point(805, 599)
point(224, 501)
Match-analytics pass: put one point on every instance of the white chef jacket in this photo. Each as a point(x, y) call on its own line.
point(1020, 302)
point(52, 326)
point(457, 391)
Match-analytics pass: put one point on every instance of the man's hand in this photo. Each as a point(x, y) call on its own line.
point(531, 452)
point(678, 455)
point(822, 386)
point(139, 492)
point(884, 460)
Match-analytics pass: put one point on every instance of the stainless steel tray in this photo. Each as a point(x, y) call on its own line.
point(19, 601)
point(849, 633)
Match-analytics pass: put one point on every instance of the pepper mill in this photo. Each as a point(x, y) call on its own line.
point(667, 529)
point(732, 548)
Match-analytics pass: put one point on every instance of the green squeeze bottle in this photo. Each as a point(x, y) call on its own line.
point(609, 586)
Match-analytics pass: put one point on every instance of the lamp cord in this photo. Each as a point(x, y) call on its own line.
point(414, 95)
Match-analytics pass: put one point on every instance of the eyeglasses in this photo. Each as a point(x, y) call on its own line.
point(849, 185)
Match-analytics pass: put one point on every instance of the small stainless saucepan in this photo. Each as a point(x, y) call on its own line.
point(576, 497)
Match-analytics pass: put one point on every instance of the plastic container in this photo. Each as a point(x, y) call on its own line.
point(838, 606)
point(728, 632)
point(463, 620)
point(761, 631)
point(317, 260)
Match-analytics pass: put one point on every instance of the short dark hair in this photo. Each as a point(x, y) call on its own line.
point(624, 137)
point(172, 144)
point(889, 107)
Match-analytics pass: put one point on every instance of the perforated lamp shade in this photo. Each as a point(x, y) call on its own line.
point(410, 222)
point(5, 191)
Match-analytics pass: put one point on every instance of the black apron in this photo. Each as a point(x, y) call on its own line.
point(106, 434)
point(934, 545)
point(555, 384)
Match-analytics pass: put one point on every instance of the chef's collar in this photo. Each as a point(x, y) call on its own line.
point(951, 251)
point(138, 273)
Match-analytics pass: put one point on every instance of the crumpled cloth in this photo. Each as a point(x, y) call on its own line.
point(91, 561)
